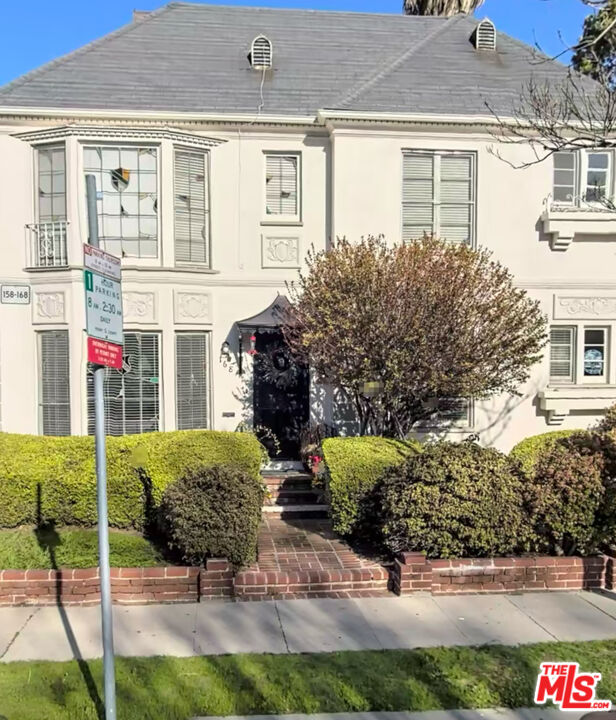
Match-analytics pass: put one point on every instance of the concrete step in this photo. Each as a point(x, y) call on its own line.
point(294, 496)
point(294, 481)
point(310, 510)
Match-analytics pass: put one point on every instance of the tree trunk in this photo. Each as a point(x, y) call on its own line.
point(440, 7)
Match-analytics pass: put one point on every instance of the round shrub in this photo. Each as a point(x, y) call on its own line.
point(354, 466)
point(453, 500)
point(213, 512)
point(563, 499)
point(527, 451)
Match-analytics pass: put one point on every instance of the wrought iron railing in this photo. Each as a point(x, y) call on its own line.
point(578, 203)
point(47, 247)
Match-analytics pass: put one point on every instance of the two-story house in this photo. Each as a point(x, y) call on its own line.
point(225, 141)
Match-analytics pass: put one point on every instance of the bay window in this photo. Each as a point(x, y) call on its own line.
point(127, 187)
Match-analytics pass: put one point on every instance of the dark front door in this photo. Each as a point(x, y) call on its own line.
point(281, 394)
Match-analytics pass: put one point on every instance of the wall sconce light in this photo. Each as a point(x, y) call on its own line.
point(253, 345)
point(225, 352)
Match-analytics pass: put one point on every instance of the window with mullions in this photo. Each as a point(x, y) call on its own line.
point(595, 354)
point(132, 395)
point(438, 196)
point(127, 185)
point(51, 183)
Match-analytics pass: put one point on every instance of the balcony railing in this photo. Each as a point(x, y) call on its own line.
point(47, 245)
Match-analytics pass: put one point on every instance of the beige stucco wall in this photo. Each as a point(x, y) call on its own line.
point(351, 185)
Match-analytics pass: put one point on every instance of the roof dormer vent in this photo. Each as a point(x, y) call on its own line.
point(485, 35)
point(261, 53)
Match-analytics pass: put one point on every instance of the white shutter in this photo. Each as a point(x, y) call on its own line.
point(191, 380)
point(54, 383)
point(565, 176)
point(132, 395)
point(562, 353)
point(281, 185)
point(191, 207)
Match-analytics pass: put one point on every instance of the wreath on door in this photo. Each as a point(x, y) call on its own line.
point(280, 368)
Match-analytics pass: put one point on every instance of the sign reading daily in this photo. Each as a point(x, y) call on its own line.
point(102, 280)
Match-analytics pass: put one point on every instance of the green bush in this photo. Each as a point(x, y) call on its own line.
point(213, 512)
point(354, 467)
point(564, 497)
point(453, 500)
point(52, 479)
point(527, 451)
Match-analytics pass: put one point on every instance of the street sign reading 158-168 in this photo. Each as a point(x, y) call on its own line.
point(102, 280)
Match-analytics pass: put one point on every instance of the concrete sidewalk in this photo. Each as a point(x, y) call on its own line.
point(294, 626)
point(536, 713)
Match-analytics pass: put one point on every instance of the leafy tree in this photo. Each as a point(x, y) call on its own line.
point(425, 320)
point(440, 7)
point(595, 54)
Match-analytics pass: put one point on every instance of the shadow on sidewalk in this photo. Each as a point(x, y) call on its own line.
point(48, 539)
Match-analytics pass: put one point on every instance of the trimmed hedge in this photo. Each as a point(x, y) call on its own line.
point(213, 512)
point(355, 466)
point(52, 479)
point(454, 500)
point(527, 451)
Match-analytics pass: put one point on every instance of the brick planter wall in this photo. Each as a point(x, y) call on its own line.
point(413, 572)
point(216, 580)
point(136, 586)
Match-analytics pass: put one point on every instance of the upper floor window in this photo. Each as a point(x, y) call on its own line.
point(127, 185)
point(191, 206)
point(51, 183)
point(282, 187)
point(438, 196)
point(583, 177)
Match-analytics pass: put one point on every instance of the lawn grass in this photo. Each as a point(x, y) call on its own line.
point(32, 548)
point(180, 688)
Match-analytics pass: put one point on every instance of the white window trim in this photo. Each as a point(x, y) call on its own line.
point(579, 379)
point(592, 379)
point(131, 330)
point(207, 265)
point(436, 184)
point(208, 374)
point(581, 179)
point(122, 141)
point(295, 219)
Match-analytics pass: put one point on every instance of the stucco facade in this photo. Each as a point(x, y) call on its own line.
point(350, 183)
point(215, 175)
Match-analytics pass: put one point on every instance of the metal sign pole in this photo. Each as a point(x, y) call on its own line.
point(101, 492)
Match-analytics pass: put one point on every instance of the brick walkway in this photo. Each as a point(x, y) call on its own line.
point(302, 558)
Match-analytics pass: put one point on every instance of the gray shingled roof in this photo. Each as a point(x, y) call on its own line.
point(193, 58)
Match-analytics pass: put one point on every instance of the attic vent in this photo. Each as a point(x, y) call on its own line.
point(485, 35)
point(261, 53)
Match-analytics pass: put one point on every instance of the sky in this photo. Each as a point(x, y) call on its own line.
point(37, 31)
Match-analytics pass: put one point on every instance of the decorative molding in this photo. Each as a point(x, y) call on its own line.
point(137, 133)
point(588, 307)
point(192, 308)
point(48, 307)
point(280, 251)
point(139, 307)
